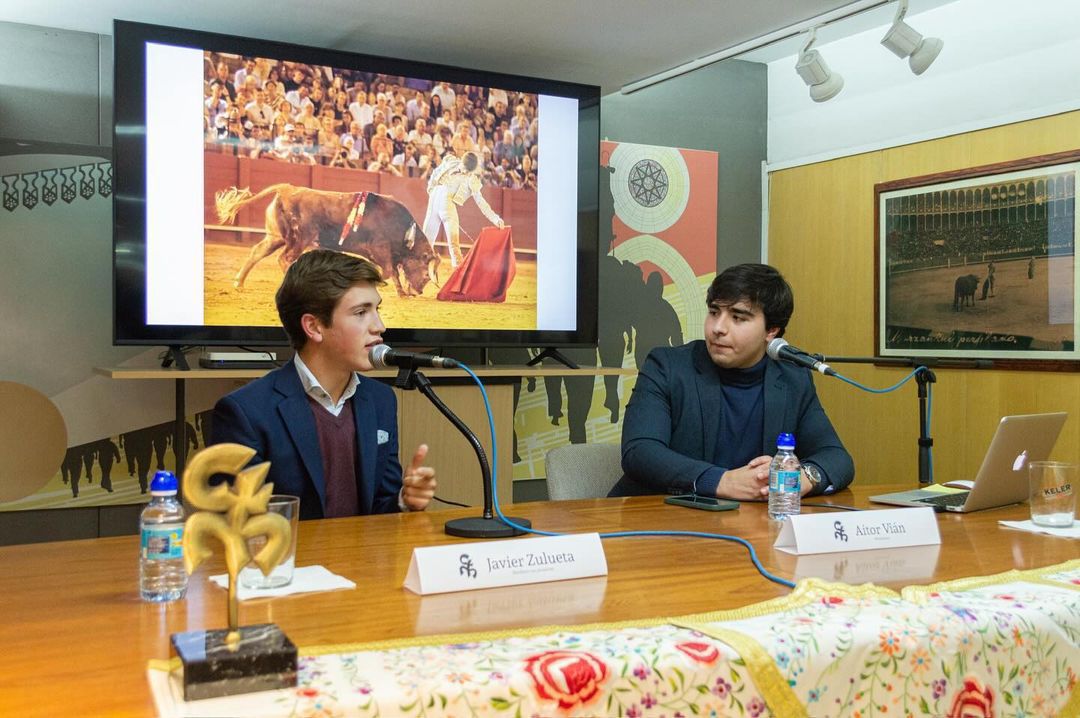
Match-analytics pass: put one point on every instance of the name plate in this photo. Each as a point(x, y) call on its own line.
point(858, 531)
point(468, 566)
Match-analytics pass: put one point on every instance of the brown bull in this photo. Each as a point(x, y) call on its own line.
point(300, 218)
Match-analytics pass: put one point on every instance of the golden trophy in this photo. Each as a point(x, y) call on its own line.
point(242, 659)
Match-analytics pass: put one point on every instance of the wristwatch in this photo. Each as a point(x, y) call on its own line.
point(813, 475)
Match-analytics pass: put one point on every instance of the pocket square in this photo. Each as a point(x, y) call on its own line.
point(381, 436)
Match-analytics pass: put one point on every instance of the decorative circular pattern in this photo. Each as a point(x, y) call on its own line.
point(689, 303)
point(648, 183)
point(650, 186)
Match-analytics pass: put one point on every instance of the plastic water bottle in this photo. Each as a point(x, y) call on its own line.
point(784, 474)
point(161, 551)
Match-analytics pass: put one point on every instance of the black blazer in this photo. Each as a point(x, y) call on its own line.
point(273, 416)
point(664, 445)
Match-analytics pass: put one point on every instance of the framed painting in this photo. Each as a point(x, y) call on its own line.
point(980, 264)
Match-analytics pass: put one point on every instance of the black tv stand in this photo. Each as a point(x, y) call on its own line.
point(175, 353)
point(552, 353)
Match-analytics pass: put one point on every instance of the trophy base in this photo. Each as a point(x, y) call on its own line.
point(263, 660)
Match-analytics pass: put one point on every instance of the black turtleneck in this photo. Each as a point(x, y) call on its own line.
point(741, 397)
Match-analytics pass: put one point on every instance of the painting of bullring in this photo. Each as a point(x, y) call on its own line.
point(979, 268)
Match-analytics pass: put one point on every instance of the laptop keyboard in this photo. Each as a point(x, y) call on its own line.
point(946, 500)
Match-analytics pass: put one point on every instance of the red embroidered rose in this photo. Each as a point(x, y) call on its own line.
point(699, 651)
point(973, 701)
point(570, 677)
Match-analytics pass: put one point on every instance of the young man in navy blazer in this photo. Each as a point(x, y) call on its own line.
point(704, 417)
point(329, 434)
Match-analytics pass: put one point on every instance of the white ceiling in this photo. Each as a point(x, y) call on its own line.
point(597, 42)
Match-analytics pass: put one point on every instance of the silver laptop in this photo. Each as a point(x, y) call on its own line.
point(1002, 478)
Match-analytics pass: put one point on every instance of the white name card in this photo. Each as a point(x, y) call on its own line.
point(468, 566)
point(858, 531)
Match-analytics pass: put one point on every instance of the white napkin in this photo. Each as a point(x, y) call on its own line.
point(1069, 532)
point(305, 580)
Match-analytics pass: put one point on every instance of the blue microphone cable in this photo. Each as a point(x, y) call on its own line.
point(872, 390)
point(894, 387)
point(614, 534)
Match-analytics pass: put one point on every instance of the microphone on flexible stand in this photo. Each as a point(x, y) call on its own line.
point(383, 357)
point(780, 350)
point(409, 377)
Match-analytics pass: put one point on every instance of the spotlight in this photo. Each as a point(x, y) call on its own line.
point(905, 41)
point(824, 84)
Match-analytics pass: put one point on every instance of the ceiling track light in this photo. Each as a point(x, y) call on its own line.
point(905, 41)
point(824, 84)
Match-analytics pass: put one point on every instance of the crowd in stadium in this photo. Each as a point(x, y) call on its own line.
point(306, 114)
point(928, 244)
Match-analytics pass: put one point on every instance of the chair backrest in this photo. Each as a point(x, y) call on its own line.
point(582, 471)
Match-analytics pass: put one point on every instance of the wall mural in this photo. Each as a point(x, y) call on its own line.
point(83, 180)
point(56, 310)
point(55, 303)
point(660, 258)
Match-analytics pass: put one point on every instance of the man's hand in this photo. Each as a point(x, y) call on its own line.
point(747, 483)
point(418, 484)
point(500, 224)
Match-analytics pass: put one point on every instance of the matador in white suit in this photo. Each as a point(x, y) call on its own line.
point(453, 182)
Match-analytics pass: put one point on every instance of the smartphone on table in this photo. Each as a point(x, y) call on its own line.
point(705, 503)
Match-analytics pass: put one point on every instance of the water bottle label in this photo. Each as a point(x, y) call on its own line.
point(162, 543)
point(787, 481)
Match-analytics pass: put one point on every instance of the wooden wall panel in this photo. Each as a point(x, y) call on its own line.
point(453, 457)
point(821, 236)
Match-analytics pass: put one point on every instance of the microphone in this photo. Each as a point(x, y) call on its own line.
point(383, 357)
point(780, 350)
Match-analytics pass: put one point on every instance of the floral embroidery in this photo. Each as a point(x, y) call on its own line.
point(1010, 649)
point(699, 651)
point(569, 677)
point(890, 643)
point(973, 701)
point(920, 661)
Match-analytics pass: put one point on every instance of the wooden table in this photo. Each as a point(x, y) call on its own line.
point(76, 637)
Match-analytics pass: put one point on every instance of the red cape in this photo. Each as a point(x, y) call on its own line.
point(486, 272)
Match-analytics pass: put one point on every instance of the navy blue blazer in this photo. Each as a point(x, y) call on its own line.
point(664, 443)
point(273, 416)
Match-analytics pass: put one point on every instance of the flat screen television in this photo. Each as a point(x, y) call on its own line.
point(227, 149)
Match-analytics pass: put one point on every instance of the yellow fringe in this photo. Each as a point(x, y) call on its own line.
point(920, 594)
point(1072, 708)
point(777, 692)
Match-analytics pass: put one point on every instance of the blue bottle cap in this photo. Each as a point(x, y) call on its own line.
point(164, 483)
point(785, 441)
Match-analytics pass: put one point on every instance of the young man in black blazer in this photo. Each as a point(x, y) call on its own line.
point(329, 433)
point(704, 417)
